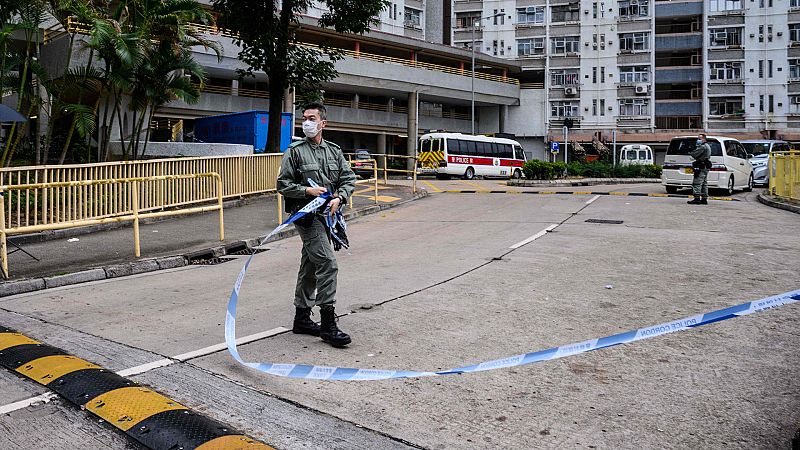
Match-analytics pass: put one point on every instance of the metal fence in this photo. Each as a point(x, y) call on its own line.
point(241, 175)
point(784, 176)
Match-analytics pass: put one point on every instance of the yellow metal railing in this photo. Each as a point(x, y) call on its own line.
point(784, 174)
point(385, 166)
point(241, 175)
point(98, 201)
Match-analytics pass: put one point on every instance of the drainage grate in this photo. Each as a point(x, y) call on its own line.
point(213, 261)
point(613, 222)
point(247, 251)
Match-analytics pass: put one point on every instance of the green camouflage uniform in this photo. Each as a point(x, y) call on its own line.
point(327, 166)
point(699, 182)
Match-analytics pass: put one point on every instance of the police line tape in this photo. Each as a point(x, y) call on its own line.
point(306, 371)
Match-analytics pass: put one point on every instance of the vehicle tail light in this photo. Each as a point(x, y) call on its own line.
point(719, 168)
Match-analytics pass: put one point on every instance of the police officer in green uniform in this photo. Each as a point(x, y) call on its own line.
point(700, 166)
point(323, 162)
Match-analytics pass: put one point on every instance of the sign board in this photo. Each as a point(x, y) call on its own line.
point(554, 147)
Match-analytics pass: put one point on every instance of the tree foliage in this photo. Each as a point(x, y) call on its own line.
point(266, 31)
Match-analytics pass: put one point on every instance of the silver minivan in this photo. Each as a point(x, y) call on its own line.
point(760, 149)
point(730, 170)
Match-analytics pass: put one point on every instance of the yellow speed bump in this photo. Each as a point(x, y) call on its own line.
point(48, 368)
point(127, 406)
point(618, 193)
point(8, 340)
point(233, 442)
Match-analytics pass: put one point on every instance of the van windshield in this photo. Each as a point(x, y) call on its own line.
point(684, 146)
point(424, 146)
point(756, 148)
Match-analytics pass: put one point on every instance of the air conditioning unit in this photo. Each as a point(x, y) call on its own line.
point(571, 90)
point(634, 2)
point(642, 88)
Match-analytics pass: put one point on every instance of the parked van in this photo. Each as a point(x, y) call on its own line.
point(760, 149)
point(636, 154)
point(730, 168)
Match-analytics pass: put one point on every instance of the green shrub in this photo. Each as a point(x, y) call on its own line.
point(543, 170)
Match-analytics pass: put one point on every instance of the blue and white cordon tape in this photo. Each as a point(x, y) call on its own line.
point(346, 373)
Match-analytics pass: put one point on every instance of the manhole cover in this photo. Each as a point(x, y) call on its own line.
point(614, 222)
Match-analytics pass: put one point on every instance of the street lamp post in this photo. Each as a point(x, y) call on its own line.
point(476, 23)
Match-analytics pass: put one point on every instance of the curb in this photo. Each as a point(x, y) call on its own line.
point(9, 288)
point(774, 202)
point(581, 182)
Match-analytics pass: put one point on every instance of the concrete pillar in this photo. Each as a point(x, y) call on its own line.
point(235, 88)
point(390, 105)
point(411, 144)
point(502, 118)
point(381, 150)
point(358, 49)
point(355, 100)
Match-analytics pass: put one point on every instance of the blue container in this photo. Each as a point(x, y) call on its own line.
point(249, 127)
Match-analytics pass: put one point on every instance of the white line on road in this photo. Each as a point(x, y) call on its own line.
point(11, 407)
point(591, 200)
point(218, 347)
point(534, 237)
point(140, 369)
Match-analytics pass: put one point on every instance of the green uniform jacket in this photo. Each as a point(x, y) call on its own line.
point(324, 163)
point(702, 152)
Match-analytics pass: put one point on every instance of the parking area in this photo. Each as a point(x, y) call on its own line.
point(449, 280)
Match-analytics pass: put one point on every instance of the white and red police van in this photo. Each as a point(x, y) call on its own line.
point(465, 155)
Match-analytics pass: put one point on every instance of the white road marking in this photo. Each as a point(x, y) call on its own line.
point(591, 200)
point(11, 407)
point(218, 347)
point(140, 369)
point(534, 237)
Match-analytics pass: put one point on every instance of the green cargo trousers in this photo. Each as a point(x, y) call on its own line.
point(318, 268)
point(700, 183)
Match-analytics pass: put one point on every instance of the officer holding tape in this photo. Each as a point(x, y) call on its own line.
point(323, 162)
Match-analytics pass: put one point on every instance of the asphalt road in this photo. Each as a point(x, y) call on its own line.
point(428, 294)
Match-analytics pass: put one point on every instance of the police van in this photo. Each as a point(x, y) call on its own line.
point(467, 156)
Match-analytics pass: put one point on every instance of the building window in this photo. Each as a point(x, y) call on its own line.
point(634, 107)
point(566, 13)
point(565, 77)
point(794, 69)
point(634, 41)
point(634, 74)
point(769, 68)
point(594, 13)
point(602, 74)
point(530, 14)
point(530, 47)
point(726, 70)
point(467, 19)
point(564, 44)
point(412, 18)
point(594, 107)
point(594, 75)
point(499, 18)
point(794, 32)
point(725, 106)
point(568, 108)
point(760, 68)
point(794, 4)
point(725, 37)
point(602, 107)
point(725, 5)
point(632, 9)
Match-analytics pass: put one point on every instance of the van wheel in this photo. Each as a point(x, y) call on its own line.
point(671, 189)
point(729, 190)
point(749, 187)
point(469, 174)
point(517, 174)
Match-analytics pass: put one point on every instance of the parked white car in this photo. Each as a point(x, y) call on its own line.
point(636, 154)
point(730, 170)
point(760, 149)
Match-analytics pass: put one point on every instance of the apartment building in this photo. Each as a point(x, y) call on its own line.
point(647, 69)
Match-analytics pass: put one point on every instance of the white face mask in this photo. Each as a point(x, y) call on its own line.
point(310, 128)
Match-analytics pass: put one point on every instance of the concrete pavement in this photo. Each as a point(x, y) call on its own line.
point(443, 301)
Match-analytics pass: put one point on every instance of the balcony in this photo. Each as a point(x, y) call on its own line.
point(679, 42)
point(679, 8)
point(683, 75)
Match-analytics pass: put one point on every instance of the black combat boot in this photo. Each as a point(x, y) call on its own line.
point(303, 323)
point(704, 201)
point(696, 201)
point(329, 332)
